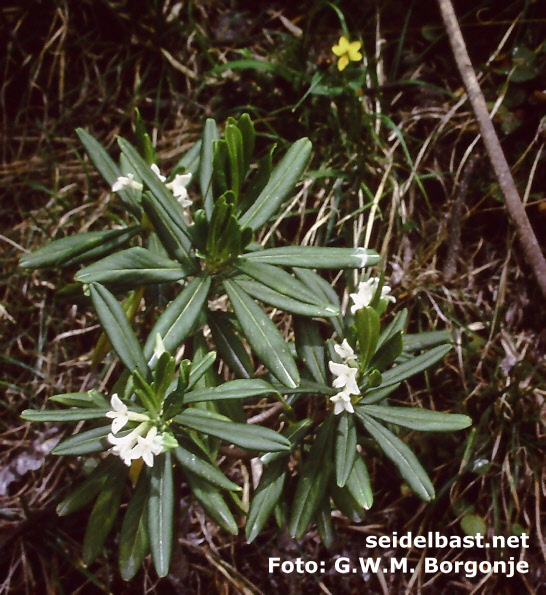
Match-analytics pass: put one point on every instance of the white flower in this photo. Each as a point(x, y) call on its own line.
point(124, 182)
point(156, 171)
point(121, 415)
point(147, 447)
point(346, 378)
point(365, 292)
point(345, 351)
point(125, 446)
point(342, 403)
point(178, 188)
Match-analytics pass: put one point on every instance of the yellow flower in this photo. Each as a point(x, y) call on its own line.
point(347, 52)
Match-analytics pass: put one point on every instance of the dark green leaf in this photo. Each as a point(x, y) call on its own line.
point(103, 516)
point(314, 257)
point(132, 268)
point(229, 344)
point(413, 366)
point(160, 513)
point(345, 448)
point(358, 484)
point(84, 443)
point(62, 415)
point(89, 489)
point(213, 503)
point(243, 435)
point(210, 134)
point(407, 463)
point(282, 282)
point(281, 183)
point(313, 480)
point(368, 325)
point(198, 466)
point(107, 168)
point(419, 419)
point(116, 326)
point(134, 541)
point(264, 337)
point(234, 389)
point(91, 398)
point(310, 348)
point(180, 316)
point(323, 519)
point(77, 248)
point(279, 300)
point(265, 499)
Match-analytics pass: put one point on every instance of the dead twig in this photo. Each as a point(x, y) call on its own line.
point(514, 204)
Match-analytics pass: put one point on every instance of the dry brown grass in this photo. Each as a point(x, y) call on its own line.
point(89, 64)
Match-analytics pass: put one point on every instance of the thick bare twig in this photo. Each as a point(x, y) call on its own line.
point(514, 205)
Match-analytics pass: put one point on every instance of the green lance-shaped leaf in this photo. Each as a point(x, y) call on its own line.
point(179, 317)
point(213, 503)
point(280, 184)
point(378, 394)
point(62, 415)
point(367, 325)
point(146, 394)
point(313, 479)
point(234, 140)
point(189, 162)
point(322, 289)
point(103, 516)
point(419, 419)
point(259, 180)
point(345, 448)
point(345, 503)
point(156, 186)
point(229, 344)
point(144, 142)
point(234, 389)
point(75, 249)
point(396, 326)
point(117, 328)
point(358, 484)
point(388, 352)
point(246, 126)
point(274, 298)
point(132, 268)
point(161, 513)
point(91, 399)
point(418, 341)
point(323, 518)
point(310, 348)
point(199, 368)
point(265, 499)
point(243, 435)
point(108, 168)
point(134, 541)
point(84, 443)
point(194, 463)
point(172, 238)
point(400, 454)
point(210, 134)
point(263, 335)
point(106, 470)
point(281, 281)
point(315, 257)
point(295, 433)
point(415, 365)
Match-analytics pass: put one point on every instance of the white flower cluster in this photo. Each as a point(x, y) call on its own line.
point(143, 442)
point(176, 186)
point(345, 378)
point(365, 292)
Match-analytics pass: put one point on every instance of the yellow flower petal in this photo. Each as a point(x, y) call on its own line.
point(353, 51)
point(343, 62)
